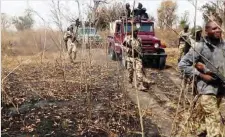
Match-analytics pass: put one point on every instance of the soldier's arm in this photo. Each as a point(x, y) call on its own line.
point(186, 65)
point(127, 42)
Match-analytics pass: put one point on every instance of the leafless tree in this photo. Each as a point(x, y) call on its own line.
point(167, 13)
point(5, 21)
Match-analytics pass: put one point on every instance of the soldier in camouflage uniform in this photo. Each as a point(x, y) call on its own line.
point(210, 91)
point(69, 40)
point(134, 62)
point(184, 35)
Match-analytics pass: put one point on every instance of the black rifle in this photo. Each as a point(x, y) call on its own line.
point(137, 50)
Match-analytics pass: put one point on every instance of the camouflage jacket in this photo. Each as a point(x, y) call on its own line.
point(134, 43)
point(183, 35)
point(215, 56)
point(68, 34)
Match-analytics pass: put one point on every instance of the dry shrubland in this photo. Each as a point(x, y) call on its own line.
point(28, 42)
point(168, 37)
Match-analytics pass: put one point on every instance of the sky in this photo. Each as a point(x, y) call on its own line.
point(42, 7)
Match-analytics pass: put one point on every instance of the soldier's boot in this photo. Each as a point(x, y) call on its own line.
point(147, 81)
point(130, 80)
point(141, 87)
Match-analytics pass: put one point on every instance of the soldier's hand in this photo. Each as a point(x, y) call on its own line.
point(206, 77)
point(200, 66)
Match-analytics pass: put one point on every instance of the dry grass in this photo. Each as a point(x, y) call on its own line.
point(27, 42)
point(168, 37)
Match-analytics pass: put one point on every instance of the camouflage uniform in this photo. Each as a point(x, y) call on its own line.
point(182, 43)
point(134, 63)
point(210, 93)
point(70, 45)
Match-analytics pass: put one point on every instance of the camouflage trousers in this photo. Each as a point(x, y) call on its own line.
point(208, 116)
point(181, 51)
point(71, 49)
point(138, 69)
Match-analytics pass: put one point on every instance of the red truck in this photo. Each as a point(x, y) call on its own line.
point(152, 49)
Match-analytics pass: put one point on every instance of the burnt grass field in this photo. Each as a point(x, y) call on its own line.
point(86, 98)
point(63, 99)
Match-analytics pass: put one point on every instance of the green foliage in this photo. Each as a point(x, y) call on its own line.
point(23, 22)
point(184, 20)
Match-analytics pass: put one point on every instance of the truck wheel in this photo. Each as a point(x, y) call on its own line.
point(162, 62)
point(112, 54)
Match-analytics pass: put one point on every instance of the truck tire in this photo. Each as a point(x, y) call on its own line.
point(162, 62)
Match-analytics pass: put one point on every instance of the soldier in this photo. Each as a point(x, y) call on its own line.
point(210, 91)
point(134, 59)
point(128, 10)
point(184, 35)
point(69, 42)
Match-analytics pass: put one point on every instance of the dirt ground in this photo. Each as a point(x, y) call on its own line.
point(91, 97)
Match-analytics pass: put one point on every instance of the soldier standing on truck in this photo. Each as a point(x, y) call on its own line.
point(128, 10)
point(184, 35)
point(135, 60)
point(207, 63)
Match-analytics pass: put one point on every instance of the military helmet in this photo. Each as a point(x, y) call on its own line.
point(198, 29)
point(140, 5)
point(127, 5)
point(186, 27)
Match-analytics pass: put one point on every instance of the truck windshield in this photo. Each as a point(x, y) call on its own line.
point(144, 27)
point(88, 31)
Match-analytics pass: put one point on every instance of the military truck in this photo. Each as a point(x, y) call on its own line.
point(153, 52)
point(90, 36)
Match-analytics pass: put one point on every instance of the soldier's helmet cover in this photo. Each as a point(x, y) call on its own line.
point(140, 6)
point(186, 27)
point(127, 5)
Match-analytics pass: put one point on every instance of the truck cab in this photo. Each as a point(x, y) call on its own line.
point(90, 35)
point(152, 48)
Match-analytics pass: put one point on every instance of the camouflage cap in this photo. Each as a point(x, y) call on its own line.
point(186, 27)
point(198, 29)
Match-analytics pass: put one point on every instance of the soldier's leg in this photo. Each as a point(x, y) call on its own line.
point(181, 51)
point(130, 71)
point(69, 44)
point(74, 51)
point(139, 73)
point(210, 105)
point(138, 69)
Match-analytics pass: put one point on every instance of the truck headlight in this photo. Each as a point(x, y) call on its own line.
point(156, 45)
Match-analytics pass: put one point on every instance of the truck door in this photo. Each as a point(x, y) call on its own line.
point(118, 33)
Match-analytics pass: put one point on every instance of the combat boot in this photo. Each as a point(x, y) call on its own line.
point(145, 80)
point(141, 87)
point(130, 79)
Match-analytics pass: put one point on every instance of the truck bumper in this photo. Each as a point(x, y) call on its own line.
point(153, 58)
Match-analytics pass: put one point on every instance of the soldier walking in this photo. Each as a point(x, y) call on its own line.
point(210, 90)
point(184, 35)
point(69, 39)
point(134, 59)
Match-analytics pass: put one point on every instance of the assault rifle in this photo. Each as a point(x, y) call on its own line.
point(215, 72)
point(137, 50)
point(212, 71)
